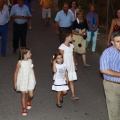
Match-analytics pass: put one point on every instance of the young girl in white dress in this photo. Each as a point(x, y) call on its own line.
point(60, 78)
point(66, 49)
point(24, 79)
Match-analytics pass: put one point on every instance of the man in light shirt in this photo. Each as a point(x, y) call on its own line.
point(4, 18)
point(110, 67)
point(64, 20)
point(20, 14)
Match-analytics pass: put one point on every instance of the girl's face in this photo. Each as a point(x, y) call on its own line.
point(118, 13)
point(69, 38)
point(80, 15)
point(28, 55)
point(59, 59)
point(74, 4)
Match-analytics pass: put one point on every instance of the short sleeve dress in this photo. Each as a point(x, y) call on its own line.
point(68, 59)
point(60, 78)
point(25, 79)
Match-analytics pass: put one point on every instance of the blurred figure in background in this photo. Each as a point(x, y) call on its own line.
point(46, 6)
point(73, 7)
point(115, 26)
point(4, 18)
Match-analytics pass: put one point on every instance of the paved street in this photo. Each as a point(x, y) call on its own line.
point(43, 43)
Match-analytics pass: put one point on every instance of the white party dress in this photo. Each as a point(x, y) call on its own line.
point(69, 61)
point(60, 78)
point(25, 79)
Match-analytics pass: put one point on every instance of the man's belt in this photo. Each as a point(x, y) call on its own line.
point(63, 28)
point(3, 25)
point(113, 82)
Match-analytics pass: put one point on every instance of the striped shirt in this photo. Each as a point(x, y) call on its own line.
point(22, 11)
point(110, 60)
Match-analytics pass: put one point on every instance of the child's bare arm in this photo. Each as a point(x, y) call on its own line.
point(67, 79)
point(16, 73)
point(61, 51)
point(54, 66)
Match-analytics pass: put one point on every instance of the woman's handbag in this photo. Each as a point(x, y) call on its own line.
point(79, 43)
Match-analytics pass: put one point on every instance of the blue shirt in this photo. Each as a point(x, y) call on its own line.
point(110, 60)
point(92, 21)
point(23, 11)
point(63, 19)
point(4, 16)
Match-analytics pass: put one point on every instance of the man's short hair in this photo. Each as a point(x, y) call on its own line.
point(115, 34)
point(65, 3)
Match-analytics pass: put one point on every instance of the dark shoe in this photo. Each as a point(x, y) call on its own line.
point(86, 65)
point(61, 101)
point(93, 53)
point(4, 55)
point(59, 105)
point(14, 50)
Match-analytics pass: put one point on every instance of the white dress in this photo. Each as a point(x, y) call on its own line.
point(25, 79)
point(68, 59)
point(60, 78)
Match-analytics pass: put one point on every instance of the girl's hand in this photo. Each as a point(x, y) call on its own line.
point(67, 81)
point(15, 87)
point(54, 61)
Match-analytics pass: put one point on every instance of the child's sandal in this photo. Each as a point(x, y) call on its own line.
point(74, 98)
point(59, 105)
point(24, 112)
point(28, 104)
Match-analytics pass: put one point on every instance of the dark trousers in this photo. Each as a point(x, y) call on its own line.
point(3, 33)
point(19, 34)
point(63, 30)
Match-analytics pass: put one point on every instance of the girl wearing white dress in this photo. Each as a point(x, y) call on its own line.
point(60, 78)
point(24, 79)
point(66, 49)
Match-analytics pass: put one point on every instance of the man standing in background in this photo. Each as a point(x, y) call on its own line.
point(64, 20)
point(20, 14)
point(46, 6)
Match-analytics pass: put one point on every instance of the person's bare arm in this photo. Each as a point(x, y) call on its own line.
point(67, 79)
point(16, 73)
point(111, 73)
point(76, 33)
point(57, 28)
point(110, 32)
point(88, 23)
point(54, 66)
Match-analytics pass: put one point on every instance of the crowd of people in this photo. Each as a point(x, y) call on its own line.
point(75, 32)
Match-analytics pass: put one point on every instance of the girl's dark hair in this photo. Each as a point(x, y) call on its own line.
point(72, 2)
point(65, 3)
point(55, 56)
point(23, 51)
point(116, 13)
point(65, 34)
point(79, 4)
